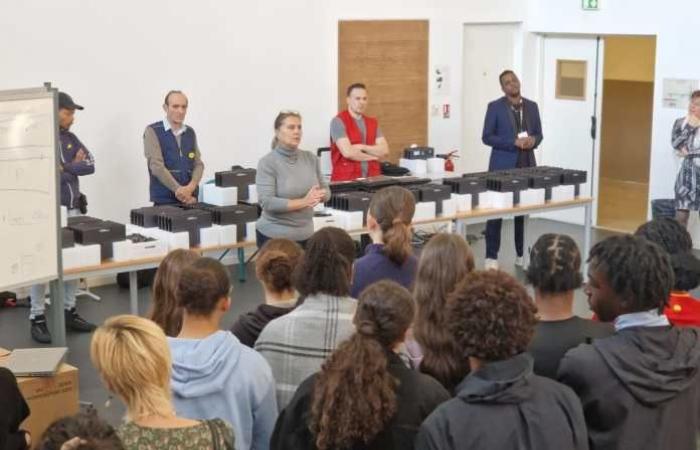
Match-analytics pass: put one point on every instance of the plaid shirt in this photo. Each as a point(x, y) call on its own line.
point(296, 344)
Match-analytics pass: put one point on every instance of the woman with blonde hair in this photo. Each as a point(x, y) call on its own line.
point(133, 359)
point(164, 310)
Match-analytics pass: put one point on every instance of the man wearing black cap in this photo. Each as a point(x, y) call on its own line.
point(76, 161)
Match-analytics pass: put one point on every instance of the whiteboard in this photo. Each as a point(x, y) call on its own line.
point(28, 185)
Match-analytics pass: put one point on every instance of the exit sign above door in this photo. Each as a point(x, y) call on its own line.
point(591, 5)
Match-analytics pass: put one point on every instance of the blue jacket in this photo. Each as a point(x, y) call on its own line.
point(500, 132)
point(178, 160)
point(71, 170)
point(218, 377)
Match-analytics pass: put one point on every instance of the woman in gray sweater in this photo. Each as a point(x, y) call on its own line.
point(290, 184)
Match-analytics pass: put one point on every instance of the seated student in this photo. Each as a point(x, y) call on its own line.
point(297, 343)
point(273, 267)
point(501, 404)
point(554, 273)
point(132, 357)
point(364, 397)
point(639, 386)
point(165, 310)
point(669, 234)
point(214, 375)
point(78, 432)
point(390, 255)
point(444, 262)
point(13, 411)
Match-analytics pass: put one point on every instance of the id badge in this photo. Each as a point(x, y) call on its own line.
point(522, 134)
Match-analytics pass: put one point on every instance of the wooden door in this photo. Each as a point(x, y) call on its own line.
point(391, 58)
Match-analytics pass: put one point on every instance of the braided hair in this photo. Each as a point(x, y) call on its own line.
point(636, 269)
point(675, 239)
point(555, 264)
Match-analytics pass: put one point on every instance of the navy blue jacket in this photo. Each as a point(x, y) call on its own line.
point(179, 160)
point(375, 266)
point(71, 169)
point(500, 132)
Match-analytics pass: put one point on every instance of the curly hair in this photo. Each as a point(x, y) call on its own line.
point(165, 310)
point(202, 284)
point(555, 264)
point(444, 261)
point(354, 395)
point(393, 208)
point(675, 239)
point(276, 262)
point(326, 266)
point(491, 316)
point(638, 270)
point(95, 432)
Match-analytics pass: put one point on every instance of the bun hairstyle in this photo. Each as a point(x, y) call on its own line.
point(354, 394)
point(675, 239)
point(393, 208)
point(326, 266)
point(202, 284)
point(275, 264)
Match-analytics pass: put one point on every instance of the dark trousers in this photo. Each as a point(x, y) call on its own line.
point(260, 240)
point(493, 236)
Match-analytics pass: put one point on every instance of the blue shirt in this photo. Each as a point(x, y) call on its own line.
point(376, 266)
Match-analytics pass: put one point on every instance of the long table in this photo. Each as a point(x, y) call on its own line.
point(460, 220)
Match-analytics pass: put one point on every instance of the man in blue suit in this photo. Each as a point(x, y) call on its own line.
point(512, 129)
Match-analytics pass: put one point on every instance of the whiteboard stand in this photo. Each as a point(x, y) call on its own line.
point(30, 235)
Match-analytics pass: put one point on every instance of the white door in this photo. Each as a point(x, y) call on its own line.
point(566, 123)
point(488, 50)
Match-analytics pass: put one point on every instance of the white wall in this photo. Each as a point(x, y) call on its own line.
point(240, 63)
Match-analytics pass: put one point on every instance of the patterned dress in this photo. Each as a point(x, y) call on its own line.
point(212, 434)
point(687, 187)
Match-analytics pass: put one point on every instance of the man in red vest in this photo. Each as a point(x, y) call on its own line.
point(357, 142)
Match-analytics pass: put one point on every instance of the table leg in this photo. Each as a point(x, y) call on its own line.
point(58, 318)
point(526, 242)
point(241, 265)
point(587, 230)
point(133, 293)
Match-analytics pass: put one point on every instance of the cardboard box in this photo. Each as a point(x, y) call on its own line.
point(49, 398)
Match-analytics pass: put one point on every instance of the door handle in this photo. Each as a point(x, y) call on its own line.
point(594, 127)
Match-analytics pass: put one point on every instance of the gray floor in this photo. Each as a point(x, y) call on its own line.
point(14, 326)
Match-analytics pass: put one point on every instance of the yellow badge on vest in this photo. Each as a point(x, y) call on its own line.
point(190, 155)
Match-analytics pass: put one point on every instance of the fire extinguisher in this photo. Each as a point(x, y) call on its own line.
point(449, 157)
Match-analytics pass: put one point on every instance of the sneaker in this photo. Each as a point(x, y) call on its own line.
point(490, 264)
point(520, 262)
point(39, 330)
point(76, 323)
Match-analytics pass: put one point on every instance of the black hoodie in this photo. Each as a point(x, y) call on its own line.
point(13, 410)
point(504, 405)
point(638, 387)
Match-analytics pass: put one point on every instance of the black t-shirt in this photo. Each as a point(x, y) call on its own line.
point(554, 338)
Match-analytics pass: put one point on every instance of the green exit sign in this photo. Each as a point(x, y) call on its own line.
point(591, 5)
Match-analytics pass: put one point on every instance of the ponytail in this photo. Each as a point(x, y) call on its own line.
point(354, 395)
point(393, 208)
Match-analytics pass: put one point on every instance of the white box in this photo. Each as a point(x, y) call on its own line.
point(209, 237)
point(250, 232)
point(128, 250)
point(320, 207)
point(464, 202)
point(81, 256)
point(349, 220)
point(449, 207)
point(532, 197)
point(425, 211)
point(174, 241)
point(563, 193)
point(252, 193)
point(500, 200)
point(436, 165)
point(220, 196)
point(326, 221)
point(416, 166)
point(227, 234)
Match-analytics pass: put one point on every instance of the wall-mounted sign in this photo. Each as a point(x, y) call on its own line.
point(441, 80)
point(676, 93)
point(590, 5)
